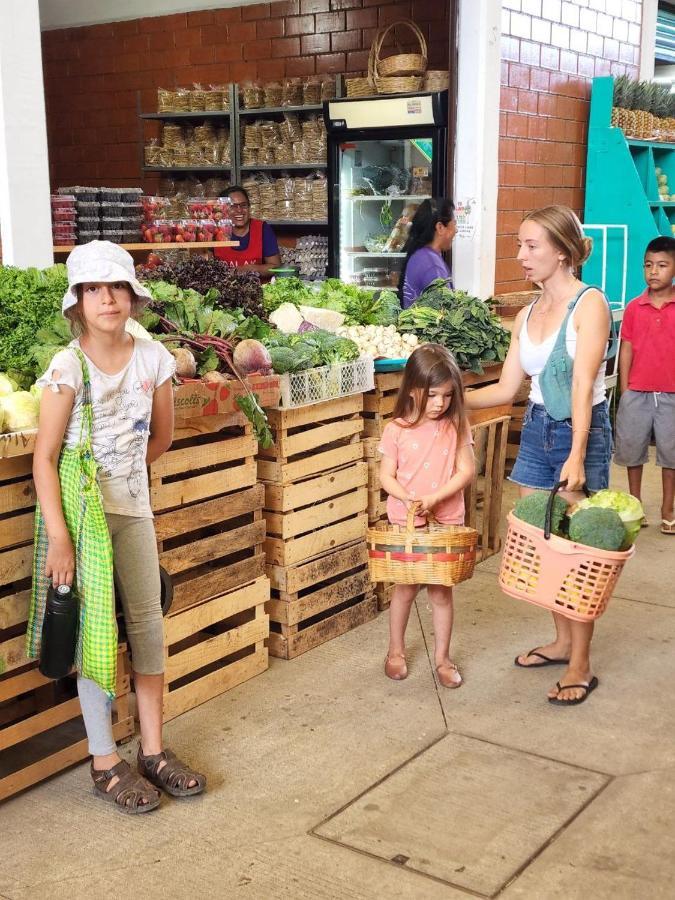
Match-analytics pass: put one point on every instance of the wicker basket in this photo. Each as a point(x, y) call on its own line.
point(400, 63)
point(360, 87)
point(437, 80)
point(567, 578)
point(421, 556)
point(401, 84)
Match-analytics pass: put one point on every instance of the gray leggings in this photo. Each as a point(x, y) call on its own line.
point(137, 579)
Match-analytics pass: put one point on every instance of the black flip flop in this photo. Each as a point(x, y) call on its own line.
point(546, 661)
point(591, 686)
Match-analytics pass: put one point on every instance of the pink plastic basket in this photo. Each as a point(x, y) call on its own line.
point(559, 575)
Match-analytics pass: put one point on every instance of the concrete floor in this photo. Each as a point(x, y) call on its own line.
point(327, 780)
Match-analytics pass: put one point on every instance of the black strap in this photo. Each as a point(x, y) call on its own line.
point(549, 507)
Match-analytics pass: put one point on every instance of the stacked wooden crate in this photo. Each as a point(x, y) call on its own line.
point(210, 533)
point(315, 510)
point(41, 728)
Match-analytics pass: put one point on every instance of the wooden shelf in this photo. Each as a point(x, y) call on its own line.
point(204, 114)
point(187, 168)
point(269, 110)
point(282, 167)
point(192, 245)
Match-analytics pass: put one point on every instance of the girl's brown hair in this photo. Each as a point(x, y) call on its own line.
point(76, 319)
point(564, 231)
point(428, 367)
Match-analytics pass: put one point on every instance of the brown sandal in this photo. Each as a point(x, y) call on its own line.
point(174, 777)
point(132, 794)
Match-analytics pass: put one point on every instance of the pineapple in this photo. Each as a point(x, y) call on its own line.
point(627, 114)
point(644, 100)
point(621, 86)
point(660, 109)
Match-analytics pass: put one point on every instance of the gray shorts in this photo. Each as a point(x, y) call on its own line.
point(639, 414)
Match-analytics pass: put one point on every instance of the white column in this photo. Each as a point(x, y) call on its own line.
point(477, 142)
point(25, 214)
point(650, 10)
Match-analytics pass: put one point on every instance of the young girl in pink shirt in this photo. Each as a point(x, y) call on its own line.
point(427, 459)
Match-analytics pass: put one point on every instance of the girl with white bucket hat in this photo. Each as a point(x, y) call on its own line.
point(106, 412)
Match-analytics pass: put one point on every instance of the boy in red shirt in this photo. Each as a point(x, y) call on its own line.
point(647, 377)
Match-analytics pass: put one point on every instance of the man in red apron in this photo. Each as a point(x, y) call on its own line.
point(258, 249)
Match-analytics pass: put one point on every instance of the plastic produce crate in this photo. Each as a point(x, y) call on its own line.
point(326, 382)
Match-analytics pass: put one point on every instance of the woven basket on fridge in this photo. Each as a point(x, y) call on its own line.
point(360, 87)
point(559, 575)
point(437, 80)
point(406, 555)
point(400, 63)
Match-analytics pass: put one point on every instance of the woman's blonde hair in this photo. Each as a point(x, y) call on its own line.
point(564, 231)
point(76, 320)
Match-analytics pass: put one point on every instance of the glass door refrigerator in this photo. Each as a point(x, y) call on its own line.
point(385, 156)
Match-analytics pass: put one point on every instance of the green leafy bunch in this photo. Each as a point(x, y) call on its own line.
point(464, 324)
point(360, 306)
point(30, 300)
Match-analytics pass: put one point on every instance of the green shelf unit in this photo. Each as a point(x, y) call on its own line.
point(622, 188)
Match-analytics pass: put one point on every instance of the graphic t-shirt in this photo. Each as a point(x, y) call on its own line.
point(425, 462)
point(122, 406)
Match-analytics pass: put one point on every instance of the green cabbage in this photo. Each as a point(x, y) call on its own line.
point(21, 411)
point(7, 385)
point(628, 507)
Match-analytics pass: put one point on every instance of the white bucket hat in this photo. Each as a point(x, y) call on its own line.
point(100, 261)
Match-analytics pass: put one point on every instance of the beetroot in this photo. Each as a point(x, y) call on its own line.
point(251, 356)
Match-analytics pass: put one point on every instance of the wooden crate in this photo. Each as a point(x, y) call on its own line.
point(17, 511)
point(41, 727)
point(204, 466)
point(316, 601)
point(316, 514)
point(378, 405)
point(215, 646)
point(312, 439)
point(383, 591)
point(212, 546)
point(483, 497)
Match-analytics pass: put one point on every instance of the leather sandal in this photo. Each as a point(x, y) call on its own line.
point(397, 671)
point(445, 678)
point(174, 777)
point(131, 795)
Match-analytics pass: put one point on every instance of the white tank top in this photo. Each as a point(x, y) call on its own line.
point(533, 357)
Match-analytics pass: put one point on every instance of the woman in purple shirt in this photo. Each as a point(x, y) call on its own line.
point(431, 232)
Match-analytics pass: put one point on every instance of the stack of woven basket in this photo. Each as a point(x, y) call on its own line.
point(402, 73)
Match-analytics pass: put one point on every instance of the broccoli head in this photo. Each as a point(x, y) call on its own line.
point(597, 527)
point(532, 509)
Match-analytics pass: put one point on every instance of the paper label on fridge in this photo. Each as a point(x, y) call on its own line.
point(414, 107)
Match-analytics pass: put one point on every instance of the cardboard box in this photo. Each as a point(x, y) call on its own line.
point(197, 398)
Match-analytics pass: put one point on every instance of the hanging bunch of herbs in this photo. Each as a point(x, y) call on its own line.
point(464, 324)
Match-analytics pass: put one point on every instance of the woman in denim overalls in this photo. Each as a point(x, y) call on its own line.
point(573, 320)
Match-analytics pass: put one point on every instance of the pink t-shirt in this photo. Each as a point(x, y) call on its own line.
point(425, 461)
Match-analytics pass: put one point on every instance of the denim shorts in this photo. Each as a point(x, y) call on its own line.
point(545, 445)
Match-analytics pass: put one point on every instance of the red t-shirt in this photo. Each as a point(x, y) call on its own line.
point(651, 332)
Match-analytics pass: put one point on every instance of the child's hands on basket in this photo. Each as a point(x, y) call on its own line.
point(427, 503)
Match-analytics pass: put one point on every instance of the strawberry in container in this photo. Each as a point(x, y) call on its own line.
point(154, 207)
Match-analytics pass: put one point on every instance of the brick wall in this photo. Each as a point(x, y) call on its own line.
point(93, 73)
point(550, 52)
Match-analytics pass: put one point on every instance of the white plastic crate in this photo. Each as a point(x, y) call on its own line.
point(327, 382)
